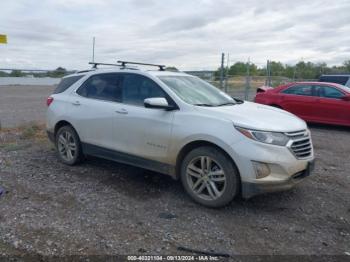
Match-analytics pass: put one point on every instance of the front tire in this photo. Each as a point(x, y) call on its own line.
point(68, 146)
point(210, 177)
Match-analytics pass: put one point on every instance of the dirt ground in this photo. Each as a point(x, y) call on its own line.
point(101, 207)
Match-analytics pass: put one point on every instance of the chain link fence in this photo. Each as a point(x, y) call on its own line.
point(244, 87)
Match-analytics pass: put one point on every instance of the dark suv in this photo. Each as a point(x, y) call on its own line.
point(339, 79)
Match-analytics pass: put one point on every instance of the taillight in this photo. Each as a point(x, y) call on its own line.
point(49, 100)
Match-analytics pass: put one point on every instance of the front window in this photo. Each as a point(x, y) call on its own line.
point(136, 88)
point(300, 90)
point(195, 91)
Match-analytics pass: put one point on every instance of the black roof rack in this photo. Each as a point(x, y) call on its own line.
point(95, 64)
point(84, 71)
point(124, 63)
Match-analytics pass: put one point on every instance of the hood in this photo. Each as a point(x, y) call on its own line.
point(257, 116)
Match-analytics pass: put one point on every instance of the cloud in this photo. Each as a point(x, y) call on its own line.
point(186, 34)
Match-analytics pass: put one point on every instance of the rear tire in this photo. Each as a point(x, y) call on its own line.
point(68, 146)
point(210, 177)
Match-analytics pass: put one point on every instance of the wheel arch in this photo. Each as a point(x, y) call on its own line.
point(62, 123)
point(195, 144)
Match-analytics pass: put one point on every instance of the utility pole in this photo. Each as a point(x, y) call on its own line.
point(268, 73)
point(247, 81)
point(227, 70)
point(93, 49)
point(222, 71)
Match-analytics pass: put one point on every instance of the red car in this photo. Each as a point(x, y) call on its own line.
point(317, 102)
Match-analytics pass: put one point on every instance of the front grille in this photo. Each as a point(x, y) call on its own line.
point(301, 144)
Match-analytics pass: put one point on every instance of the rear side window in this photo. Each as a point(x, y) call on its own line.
point(66, 83)
point(102, 87)
point(301, 90)
point(329, 92)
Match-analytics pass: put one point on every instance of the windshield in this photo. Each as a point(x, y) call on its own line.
point(195, 91)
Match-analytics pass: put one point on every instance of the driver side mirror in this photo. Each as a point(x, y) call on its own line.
point(157, 102)
point(346, 98)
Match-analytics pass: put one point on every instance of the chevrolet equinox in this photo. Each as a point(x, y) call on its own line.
point(177, 124)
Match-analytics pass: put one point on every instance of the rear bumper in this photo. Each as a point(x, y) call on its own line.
point(250, 189)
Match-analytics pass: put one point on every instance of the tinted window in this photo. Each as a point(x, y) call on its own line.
point(66, 83)
point(329, 92)
point(301, 90)
point(103, 86)
point(137, 88)
point(335, 79)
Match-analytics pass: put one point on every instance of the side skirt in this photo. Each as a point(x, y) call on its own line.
point(132, 160)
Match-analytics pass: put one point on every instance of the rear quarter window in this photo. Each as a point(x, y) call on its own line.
point(66, 83)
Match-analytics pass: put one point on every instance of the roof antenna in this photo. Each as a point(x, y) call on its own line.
point(93, 49)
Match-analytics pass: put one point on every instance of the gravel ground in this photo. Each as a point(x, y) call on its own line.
point(101, 207)
point(23, 104)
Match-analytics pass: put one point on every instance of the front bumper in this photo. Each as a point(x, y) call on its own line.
point(250, 189)
point(285, 169)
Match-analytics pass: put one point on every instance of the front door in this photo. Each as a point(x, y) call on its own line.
point(300, 100)
point(141, 131)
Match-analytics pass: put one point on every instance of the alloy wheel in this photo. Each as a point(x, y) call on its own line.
point(67, 146)
point(206, 178)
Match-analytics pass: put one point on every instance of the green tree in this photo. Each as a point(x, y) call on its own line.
point(238, 68)
point(16, 73)
point(58, 72)
point(346, 64)
point(2, 74)
point(277, 68)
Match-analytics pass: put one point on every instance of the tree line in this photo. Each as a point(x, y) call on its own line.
point(58, 72)
point(301, 70)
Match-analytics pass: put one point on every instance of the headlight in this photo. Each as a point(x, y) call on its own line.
point(273, 138)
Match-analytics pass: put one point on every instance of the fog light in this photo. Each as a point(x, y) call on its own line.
point(261, 169)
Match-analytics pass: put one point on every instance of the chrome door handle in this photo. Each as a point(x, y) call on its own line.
point(76, 103)
point(122, 111)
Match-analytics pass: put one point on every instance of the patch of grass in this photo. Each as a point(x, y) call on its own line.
point(29, 130)
point(13, 146)
point(9, 137)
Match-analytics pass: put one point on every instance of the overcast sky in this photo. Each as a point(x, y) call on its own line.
point(188, 34)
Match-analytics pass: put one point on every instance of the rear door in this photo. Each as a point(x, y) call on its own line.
point(93, 106)
point(332, 108)
point(299, 100)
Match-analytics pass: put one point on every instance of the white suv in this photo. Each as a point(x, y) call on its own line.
point(179, 125)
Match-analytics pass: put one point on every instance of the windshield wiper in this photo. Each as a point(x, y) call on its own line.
point(203, 105)
point(227, 103)
point(238, 101)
